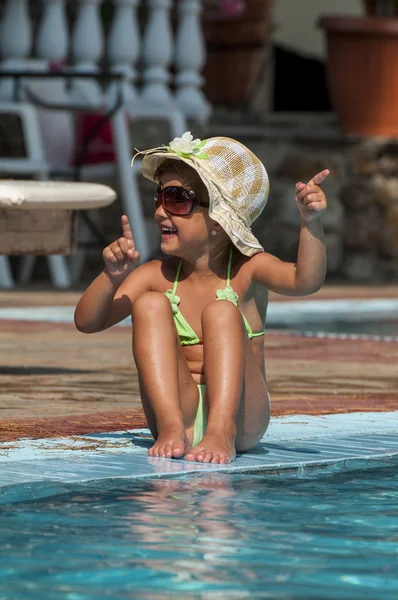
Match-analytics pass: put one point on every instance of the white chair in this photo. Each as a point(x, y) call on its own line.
point(34, 164)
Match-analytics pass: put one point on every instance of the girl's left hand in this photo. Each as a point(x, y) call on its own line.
point(310, 198)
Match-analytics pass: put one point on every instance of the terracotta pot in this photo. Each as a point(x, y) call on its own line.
point(235, 52)
point(370, 7)
point(362, 73)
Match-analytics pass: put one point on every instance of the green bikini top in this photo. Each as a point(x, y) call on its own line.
point(187, 335)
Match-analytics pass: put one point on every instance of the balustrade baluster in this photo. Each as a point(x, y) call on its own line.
point(52, 36)
point(87, 50)
point(157, 53)
point(189, 61)
point(15, 30)
point(15, 41)
point(52, 46)
point(123, 45)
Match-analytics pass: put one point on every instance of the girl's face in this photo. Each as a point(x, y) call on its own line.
point(181, 235)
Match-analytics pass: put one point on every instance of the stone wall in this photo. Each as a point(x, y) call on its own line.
point(361, 223)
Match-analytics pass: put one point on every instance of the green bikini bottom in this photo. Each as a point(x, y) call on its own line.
point(199, 427)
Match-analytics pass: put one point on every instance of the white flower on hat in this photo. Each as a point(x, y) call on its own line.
point(186, 146)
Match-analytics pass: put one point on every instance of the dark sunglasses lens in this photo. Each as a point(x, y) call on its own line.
point(177, 200)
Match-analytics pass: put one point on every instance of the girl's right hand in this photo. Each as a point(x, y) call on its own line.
point(121, 257)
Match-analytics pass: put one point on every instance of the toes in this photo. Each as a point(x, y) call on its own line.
point(172, 449)
point(225, 459)
point(194, 455)
point(168, 451)
point(153, 452)
point(201, 455)
point(177, 451)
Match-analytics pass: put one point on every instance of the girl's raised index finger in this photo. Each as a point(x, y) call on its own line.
point(319, 177)
point(127, 233)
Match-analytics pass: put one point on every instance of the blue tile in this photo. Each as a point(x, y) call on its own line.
point(43, 477)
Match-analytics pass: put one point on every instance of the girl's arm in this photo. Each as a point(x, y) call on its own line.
point(307, 275)
point(109, 298)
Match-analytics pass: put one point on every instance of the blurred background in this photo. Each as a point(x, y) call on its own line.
point(306, 85)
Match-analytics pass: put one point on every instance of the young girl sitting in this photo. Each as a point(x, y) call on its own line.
point(198, 321)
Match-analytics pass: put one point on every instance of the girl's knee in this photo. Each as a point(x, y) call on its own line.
point(248, 437)
point(150, 304)
point(246, 443)
point(220, 311)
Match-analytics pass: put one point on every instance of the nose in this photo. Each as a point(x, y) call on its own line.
point(159, 210)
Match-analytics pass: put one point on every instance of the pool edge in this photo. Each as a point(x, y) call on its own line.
point(43, 489)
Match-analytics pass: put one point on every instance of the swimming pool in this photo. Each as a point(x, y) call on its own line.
point(218, 536)
point(365, 327)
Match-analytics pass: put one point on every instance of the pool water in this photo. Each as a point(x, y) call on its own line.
point(379, 328)
point(213, 537)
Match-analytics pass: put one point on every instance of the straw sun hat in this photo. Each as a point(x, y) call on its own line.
point(235, 178)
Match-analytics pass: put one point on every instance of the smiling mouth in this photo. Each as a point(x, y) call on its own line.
point(168, 231)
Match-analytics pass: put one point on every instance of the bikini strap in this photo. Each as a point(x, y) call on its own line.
point(229, 268)
point(177, 276)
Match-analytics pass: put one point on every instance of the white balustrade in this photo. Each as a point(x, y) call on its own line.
point(157, 53)
point(125, 52)
point(123, 45)
point(87, 50)
point(15, 42)
point(15, 30)
point(52, 46)
point(189, 61)
point(52, 41)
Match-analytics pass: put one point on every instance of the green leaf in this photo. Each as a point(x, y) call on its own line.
point(199, 146)
point(187, 154)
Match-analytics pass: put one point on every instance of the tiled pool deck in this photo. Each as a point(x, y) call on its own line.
point(293, 445)
point(335, 400)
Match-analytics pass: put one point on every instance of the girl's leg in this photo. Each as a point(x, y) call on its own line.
point(238, 400)
point(169, 393)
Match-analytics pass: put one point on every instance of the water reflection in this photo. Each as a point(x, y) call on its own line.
point(192, 522)
point(210, 537)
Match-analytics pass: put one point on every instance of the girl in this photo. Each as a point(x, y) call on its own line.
point(198, 321)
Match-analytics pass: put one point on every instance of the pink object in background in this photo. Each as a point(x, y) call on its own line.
point(232, 8)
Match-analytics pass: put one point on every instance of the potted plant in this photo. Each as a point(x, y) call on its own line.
point(236, 34)
point(381, 8)
point(362, 68)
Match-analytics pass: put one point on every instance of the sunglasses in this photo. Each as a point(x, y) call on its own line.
point(176, 200)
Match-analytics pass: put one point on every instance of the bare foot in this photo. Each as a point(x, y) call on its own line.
point(214, 448)
point(171, 443)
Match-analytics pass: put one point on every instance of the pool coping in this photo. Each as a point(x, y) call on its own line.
point(298, 446)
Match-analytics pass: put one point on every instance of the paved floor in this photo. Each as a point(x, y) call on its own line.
point(55, 381)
